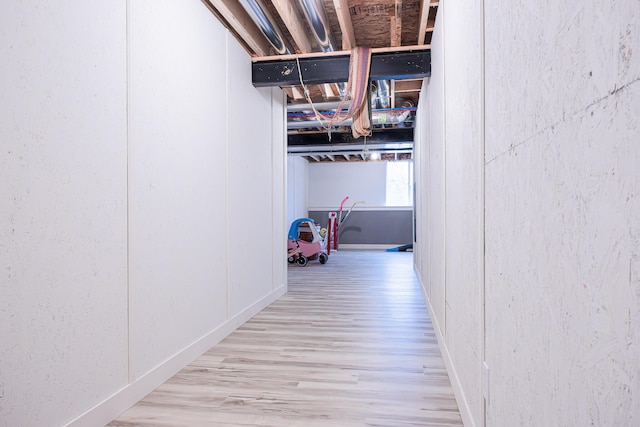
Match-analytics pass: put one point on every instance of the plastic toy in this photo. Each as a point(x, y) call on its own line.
point(305, 243)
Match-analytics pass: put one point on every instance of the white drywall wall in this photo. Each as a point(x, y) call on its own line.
point(563, 213)
point(297, 188)
point(562, 217)
point(449, 175)
point(464, 170)
point(63, 210)
point(329, 183)
point(250, 183)
point(126, 232)
point(177, 179)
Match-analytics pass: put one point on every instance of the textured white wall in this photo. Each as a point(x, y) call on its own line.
point(563, 213)
point(126, 230)
point(562, 216)
point(279, 224)
point(449, 152)
point(462, 25)
point(63, 209)
point(297, 188)
point(433, 182)
point(329, 183)
point(177, 179)
point(250, 184)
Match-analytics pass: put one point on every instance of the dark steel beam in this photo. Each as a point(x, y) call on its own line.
point(410, 64)
point(377, 137)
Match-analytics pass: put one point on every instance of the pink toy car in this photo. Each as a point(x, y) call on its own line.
point(305, 243)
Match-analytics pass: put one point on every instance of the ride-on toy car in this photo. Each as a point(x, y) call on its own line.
point(305, 243)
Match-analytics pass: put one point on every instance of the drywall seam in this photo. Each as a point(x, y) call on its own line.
point(128, 127)
point(564, 118)
point(274, 254)
point(483, 419)
point(226, 163)
point(444, 174)
point(120, 401)
point(463, 405)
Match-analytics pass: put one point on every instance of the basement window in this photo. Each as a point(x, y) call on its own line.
point(399, 183)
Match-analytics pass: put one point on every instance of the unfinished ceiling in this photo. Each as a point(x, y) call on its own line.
point(321, 33)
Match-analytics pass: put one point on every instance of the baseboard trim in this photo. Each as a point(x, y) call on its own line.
point(461, 398)
point(367, 247)
point(110, 408)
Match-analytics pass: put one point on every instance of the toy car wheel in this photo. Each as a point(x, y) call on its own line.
point(302, 260)
point(323, 258)
point(291, 259)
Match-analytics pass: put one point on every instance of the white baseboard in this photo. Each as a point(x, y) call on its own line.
point(366, 247)
point(461, 398)
point(123, 399)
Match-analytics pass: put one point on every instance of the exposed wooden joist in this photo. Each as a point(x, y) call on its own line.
point(328, 90)
point(396, 24)
point(241, 23)
point(346, 26)
point(404, 86)
point(294, 24)
point(392, 89)
point(425, 7)
point(346, 157)
point(333, 159)
point(316, 158)
point(332, 69)
point(297, 93)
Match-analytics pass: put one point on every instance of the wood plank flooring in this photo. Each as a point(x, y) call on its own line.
point(350, 344)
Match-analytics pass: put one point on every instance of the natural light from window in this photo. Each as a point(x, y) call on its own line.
point(400, 183)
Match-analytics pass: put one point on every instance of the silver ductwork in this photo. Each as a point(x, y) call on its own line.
point(377, 118)
point(319, 23)
point(320, 106)
point(384, 95)
point(266, 23)
point(380, 94)
point(317, 18)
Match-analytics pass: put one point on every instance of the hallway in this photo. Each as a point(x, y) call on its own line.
point(350, 344)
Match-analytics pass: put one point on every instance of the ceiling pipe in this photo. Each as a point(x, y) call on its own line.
point(319, 23)
point(317, 18)
point(320, 106)
point(384, 97)
point(377, 118)
point(266, 23)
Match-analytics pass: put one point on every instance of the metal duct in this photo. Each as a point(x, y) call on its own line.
point(319, 23)
point(384, 98)
point(265, 22)
point(320, 106)
point(377, 118)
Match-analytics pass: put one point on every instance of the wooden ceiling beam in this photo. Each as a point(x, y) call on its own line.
point(346, 26)
point(328, 91)
point(294, 24)
point(396, 25)
point(241, 23)
point(425, 7)
point(297, 93)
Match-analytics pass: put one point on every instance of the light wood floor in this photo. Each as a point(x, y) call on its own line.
point(350, 344)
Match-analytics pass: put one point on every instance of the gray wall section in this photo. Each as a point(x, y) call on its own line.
point(385, 227)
